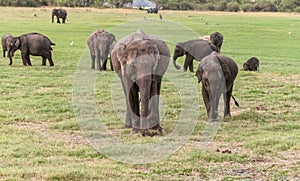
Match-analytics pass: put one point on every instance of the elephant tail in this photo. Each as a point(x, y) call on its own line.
point(175, 65)
point(235, 102)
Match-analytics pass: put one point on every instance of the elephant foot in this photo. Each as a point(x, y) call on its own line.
point(127, 126)
point(158, 128)
point(135, 130)
point(146, 132)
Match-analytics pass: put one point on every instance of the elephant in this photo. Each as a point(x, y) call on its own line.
point(140, 61)
point(217, 38)
point(217, 73)
point(251, 64)
point(193, 49)
point(59, 13)
point(4, 40)
point(100, 44)
point(31, 44)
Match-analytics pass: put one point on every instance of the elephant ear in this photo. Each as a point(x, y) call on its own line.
point(17, 43)
point(224, 66)
point(155, 52)
point(121, 52)
point(199, 73)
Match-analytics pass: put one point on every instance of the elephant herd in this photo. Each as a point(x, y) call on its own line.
point(140, 60)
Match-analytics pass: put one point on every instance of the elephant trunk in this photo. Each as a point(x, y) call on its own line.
point(145, 86)
point(174, 63)
point(52, 17)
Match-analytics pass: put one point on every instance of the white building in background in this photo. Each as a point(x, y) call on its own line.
point(145, 4)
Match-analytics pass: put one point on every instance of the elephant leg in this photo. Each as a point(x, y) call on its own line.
point(188, 62)
point(50, 60)
point(98, 61)
point(25, 58)
point(29, 61)
point(111, 65)
point(227, 103)
point(206, 100)
point(154, 103)
point(3, 53)
point(134, 106)
point(58, 21)
point(93, 61)
point(104, 64)
point(43, 61)
point(64, 20)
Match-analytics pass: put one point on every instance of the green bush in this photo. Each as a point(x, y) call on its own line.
point(248, 8)
point(208, 7)
point(187, 6)
point(297, 10)
point(265, 6)
point(222, 6)
point(289, 5)
point(233, 7)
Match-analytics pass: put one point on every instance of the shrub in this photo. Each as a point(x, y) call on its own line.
point(265, 6)
point(288, 5)
point(208, 7)
point(297, 9)
point(248, 8)
point(222, 6)
point(187, 6)
point(233, 7)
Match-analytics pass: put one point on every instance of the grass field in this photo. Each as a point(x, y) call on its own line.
point(42, 139)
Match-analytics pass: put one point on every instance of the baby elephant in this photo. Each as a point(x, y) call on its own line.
point(251, 64)
point(31, 44)
point(217, 73)
point(4, 39)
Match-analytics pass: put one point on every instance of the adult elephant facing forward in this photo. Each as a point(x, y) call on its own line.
point(59, 13)
point(140, 60)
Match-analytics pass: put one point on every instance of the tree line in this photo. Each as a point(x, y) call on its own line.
point(200, 5)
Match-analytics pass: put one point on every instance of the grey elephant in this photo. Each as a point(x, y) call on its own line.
point(100, 44)
point(217, 38)
point(4, 40)
point(60, 14)
point(193, 49)
point(31, 44)
point(141, 60)
point(252, 64)
point(217, 73)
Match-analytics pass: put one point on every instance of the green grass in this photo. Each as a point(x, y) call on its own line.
point(41, 138)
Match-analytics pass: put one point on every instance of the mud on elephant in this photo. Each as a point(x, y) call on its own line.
point(192, 49)
point(100, 43)
point(60, 14)
point(217, 73)
point(31, 44)
point(140, 60)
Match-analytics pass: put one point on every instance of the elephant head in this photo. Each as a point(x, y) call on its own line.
point(12, 44)
point(139, 61)
point(59, 13)
point(216, 38)
point(217, 74)
point(179, 51)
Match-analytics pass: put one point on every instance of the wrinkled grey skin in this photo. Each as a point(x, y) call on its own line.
point(59, 13)
point(140, 60)
point(251, 64)
point(31, 44)
point(100, 44)
point(217, 38)
point(4, 42)
point(193, 49)
point(217, 73)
